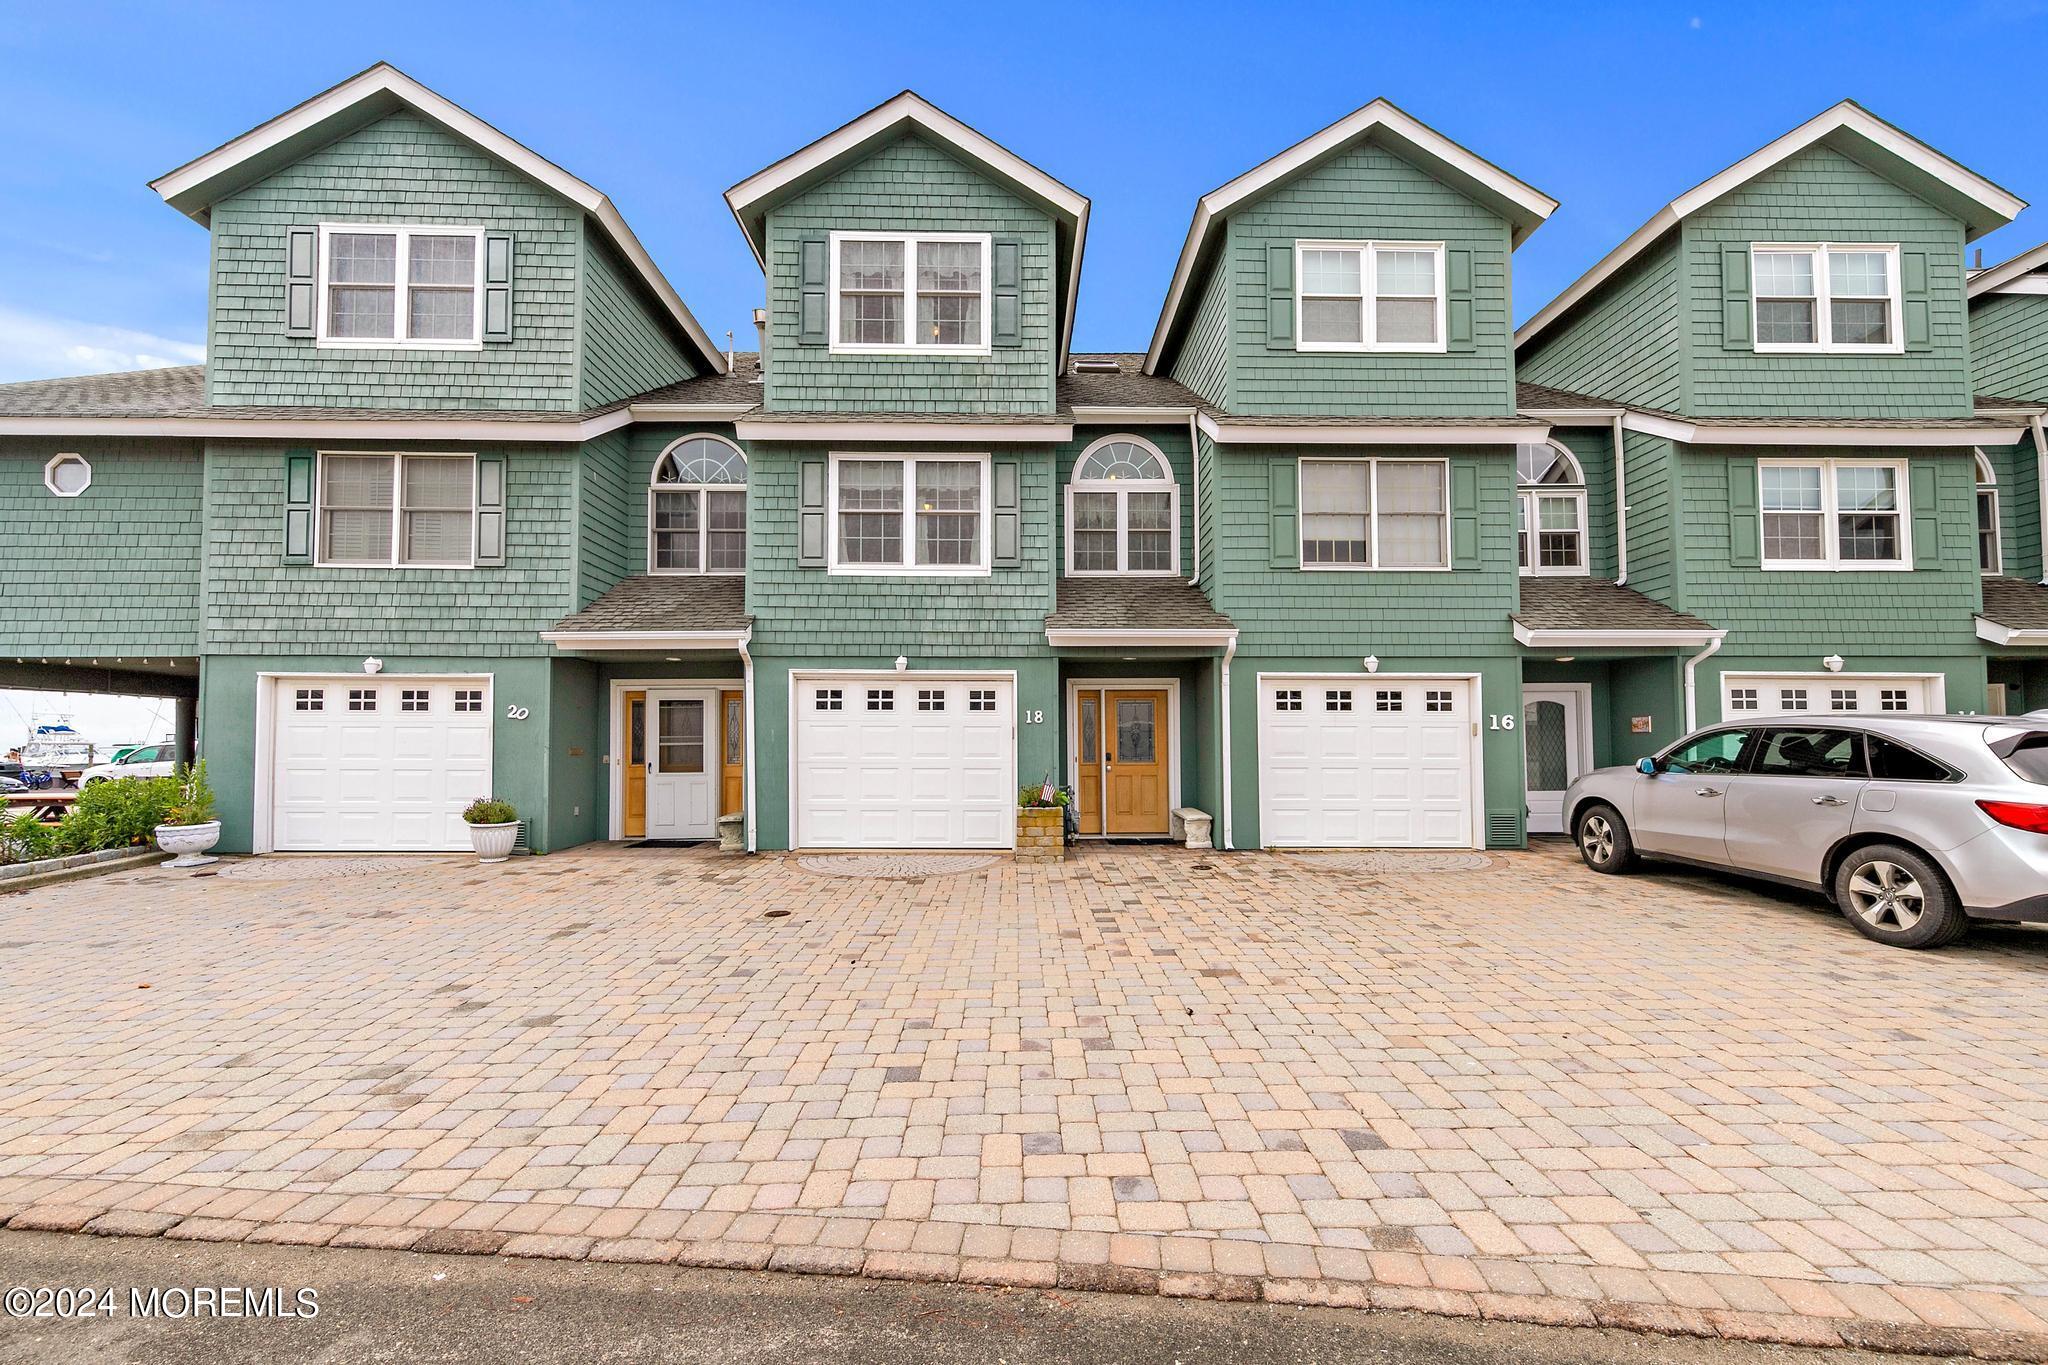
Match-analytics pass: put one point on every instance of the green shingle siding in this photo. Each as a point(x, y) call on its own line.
point(401, 169)
point(606, 504)
point(626, 349)
point(1654, 566)
point(907, 186)
point(112, 572)
point(2019, 507)
point(2009, 346)
point(1623, 345)
point(1203, 361)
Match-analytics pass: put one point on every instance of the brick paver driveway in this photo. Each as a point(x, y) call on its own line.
point(1518, 1090)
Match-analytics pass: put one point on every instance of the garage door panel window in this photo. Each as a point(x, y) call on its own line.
point(1375, 514)
point(1833, 514)
point(406, 511)
point(933, 508)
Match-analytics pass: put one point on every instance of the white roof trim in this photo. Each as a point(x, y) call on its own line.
point(583, 641)
point(689, 412)
point(1762, 432)
point(183, 187)
point(321, 428)
point(1844, 117)
point(1999, 279)
point(2002, 414)
point(1083, 413)
point(1572, 416)
point(1990, 630)
point(911, 107)
point(1280, 432)
point(1080, 637)
point(1262, 177)
point(1613, 639)
point(829, 429)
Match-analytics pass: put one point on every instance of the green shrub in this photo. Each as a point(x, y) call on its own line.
point(489, 810)
point(130, 808)
point(82, 831)
point(23, 839)
point(193, 801)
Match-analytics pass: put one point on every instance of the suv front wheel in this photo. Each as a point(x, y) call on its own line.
point(1603, 839)
point(1896, 897)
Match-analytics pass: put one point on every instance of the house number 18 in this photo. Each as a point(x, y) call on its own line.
point(1498, 721)
point(1034, 717)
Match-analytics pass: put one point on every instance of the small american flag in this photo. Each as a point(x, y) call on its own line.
point(1045, 792)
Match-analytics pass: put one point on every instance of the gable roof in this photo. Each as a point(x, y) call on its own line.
point(195, 187)
point(1524, 206)
point(753, 198)
point(1993, 278)
point(1887, 150)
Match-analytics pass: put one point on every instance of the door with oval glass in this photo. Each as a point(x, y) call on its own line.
point(1121, 764)
point(682, 764)
point(1556, 747)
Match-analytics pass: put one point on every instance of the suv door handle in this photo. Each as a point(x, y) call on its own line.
point(1706, 791)
point(1829, 801)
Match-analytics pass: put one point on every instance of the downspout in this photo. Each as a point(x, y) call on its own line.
point(1229, 653)
point(1620, 507)
point(747, 719)
point(1195, 473)
point(2040, 486)
point(1692, 696)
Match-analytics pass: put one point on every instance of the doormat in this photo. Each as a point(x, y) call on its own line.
point(668, 843)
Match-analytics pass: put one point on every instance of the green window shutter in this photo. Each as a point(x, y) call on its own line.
point(301, 245)
point(497, 286)
point(1006, 326)
point(1280, 297)
point(1913, 294)
point(810, 549)
point(490, 511)
point(1745, 523)
point(1735, 329)
point(1007, 519)
point(298, 507)
point(1458, 301)
point(1282, 497)
point(812, 314)
point(1464, 516)
point(1926, 486)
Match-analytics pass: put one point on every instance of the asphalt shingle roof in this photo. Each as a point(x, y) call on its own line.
point(666, 602)
point(1596, 604)
point(1128, 387)
point(130, 393)
point(2016, 603)
point(1539, 397)
point(1133, 604)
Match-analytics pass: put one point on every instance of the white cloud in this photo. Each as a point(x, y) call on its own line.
point(35, 346)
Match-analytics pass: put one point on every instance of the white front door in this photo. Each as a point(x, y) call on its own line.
point(1554, 724)
point(1744, 695)
point(682, 765)
point(905, 760)
point(1364, 762)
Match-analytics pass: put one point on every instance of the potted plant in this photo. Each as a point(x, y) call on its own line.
point(493, 828)
point(1042, 823)
point(189, 827)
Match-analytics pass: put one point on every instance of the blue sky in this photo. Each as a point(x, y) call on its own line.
point(1613, 109)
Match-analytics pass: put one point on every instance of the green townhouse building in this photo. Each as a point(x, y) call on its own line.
point(2009, 369)
point(465, 499)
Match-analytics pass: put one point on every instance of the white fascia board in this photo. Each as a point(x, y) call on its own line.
point(1057, 637)
point(179, 187)
point(907, 432)
point(1534, 204)
point(1279, 432)
point(689, 412)
point(1765, 434)
point(2003, 414)
point(1996, 634)
point(589, 641)
point(1114, 416)
point(320, 428)
point(1570, 417)
point(1844, 117)
point(1993, 279)
point(1614, 639)
point(2025, 284)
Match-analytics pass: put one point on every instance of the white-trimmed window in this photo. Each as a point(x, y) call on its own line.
point(1990, 554)
point(397, 511)
point(1550, 510)
point(697, 508)
point(1375, 514)
point(67, 475)
point(1834, 514)
point(911, 293)
point(1825, 296)
point(1123, 510)
point(1369, 296)
point(413, 286)
point(915, 514)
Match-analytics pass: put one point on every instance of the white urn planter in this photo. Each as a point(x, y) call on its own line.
point(188, 842)
point(493, 843)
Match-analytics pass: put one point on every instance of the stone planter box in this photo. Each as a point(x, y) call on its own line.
point(1041, 834)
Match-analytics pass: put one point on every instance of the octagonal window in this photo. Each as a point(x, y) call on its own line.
point(67, 475)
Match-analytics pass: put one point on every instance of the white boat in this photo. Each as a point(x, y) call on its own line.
point(56, 747)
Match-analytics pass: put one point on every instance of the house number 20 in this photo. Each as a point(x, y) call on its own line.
point(516, 713)
point(1034, 717)
point(1497, 721)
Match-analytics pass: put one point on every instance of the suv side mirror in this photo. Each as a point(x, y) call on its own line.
point(1647, 767)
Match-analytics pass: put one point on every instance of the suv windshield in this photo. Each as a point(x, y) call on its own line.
point(2029, 758)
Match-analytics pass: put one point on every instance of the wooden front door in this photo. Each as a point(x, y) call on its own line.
point(1121, 760)
point(1088, 760)
point(634, 826)
point(732, 767)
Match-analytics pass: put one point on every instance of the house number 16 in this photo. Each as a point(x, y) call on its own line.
point(1497, 721)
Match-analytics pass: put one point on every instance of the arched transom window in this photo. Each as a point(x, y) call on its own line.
point(1123, 510)
point(1550, 510)
point(1990, 558)
point(697, 508)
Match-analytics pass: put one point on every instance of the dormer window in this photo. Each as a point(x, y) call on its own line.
point(697, 509)
point(1550, 510)
point(910, 293)
point(401, 286)
point(1123, 510)
point(1370, 296)
point(1824, 297)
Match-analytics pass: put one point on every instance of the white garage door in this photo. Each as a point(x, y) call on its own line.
point(377, 763)
point(1366, 762)
point(905, 761)
point(1798, 693)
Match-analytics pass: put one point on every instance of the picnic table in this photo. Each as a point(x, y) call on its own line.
point(44, 805)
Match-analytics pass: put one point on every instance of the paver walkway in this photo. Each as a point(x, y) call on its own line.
point(1521, 1090)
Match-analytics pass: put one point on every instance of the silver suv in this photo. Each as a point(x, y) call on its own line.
point(1913, 825)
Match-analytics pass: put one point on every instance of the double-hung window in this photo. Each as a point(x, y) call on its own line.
point(386, 511)
point(697, 508)
point(1375, 514)
point(1825, 297)
point(1123, 510)
point(922, 514)
point(1550, 510)
point(1990, 557)
point(911, 293)
point(1369, 296)
point(401, 286)
point(1834, 514)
